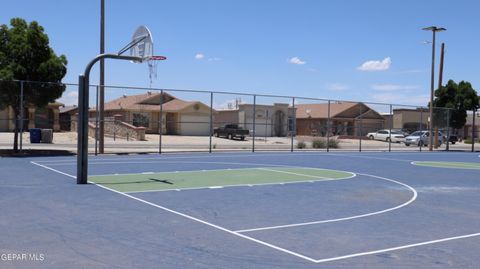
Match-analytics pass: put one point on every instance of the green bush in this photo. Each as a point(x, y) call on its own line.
point(301, 145)
point(333, 144)
point(319, 143)
point(469, 141)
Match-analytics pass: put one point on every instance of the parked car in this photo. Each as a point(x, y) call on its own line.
point(384, 135)
point(453, 139)
point(231, 131)
point(421, 138)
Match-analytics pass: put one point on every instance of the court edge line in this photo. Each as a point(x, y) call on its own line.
point(242, 185)
point(464, 167)
point(192, 218)
point(244, 155)
point(352, 175)
point(411, 200)
point(291, 173)
point(54, 170)
point(397, 248)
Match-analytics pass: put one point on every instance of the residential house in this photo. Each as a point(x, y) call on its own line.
point(35, 117)
point(179, 117)
point(346, 119)
point(270, 120)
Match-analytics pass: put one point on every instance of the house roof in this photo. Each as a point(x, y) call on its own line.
point(149, 102)
point(320, 111)
point(65, 109)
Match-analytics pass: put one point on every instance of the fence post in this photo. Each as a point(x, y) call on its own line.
point(21, 116)
point(294, 128)
point(421, 127)
point(390, 131)
point(211, 122)
point(328, 126)
point(96, 122)
point(160, 128)
point(361, 129)
point(448, 130)
point(254, 116)
point(473, 129)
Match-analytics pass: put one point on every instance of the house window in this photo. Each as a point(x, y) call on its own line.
point(140, 120)
point(291, 122)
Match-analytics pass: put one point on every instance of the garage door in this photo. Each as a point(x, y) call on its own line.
point(194, 125)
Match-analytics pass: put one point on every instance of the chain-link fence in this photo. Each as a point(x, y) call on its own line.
point(144, 120)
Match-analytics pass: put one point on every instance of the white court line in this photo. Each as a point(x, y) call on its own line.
point(54, 170)
point(397, 248)
point(220, 155)
point(413, 198)
point(291, 173)
point(186, 171)
point(240, 185)
point(271, 245)
point(462, 167)
point(352, 175)
point(194, 219)
point(244, 155)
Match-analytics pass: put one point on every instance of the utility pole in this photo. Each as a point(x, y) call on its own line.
point(434, 29)
point(101, 102)
point(440, 77)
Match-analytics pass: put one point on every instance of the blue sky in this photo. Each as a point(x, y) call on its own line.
point(350, 50)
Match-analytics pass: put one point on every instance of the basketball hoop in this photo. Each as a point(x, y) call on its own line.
point(152, 62)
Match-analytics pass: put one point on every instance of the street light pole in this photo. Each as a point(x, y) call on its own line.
point(434, 29)
point(101, 102)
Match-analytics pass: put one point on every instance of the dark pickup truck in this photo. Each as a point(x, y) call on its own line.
point(231, 131)
point(453, 139)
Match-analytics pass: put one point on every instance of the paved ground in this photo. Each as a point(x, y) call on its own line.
point(392, 214)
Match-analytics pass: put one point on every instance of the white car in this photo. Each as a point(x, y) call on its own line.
point(421, 138)
point(384, 135)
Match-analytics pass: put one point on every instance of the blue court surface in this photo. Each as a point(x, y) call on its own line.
point(243, 210)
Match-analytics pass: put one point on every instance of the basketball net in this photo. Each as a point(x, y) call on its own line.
point(152, 62)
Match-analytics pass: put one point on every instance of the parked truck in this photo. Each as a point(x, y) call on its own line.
point(231, 131)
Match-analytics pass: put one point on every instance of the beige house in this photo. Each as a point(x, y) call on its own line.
point(346, 119)
point(467, 129)
point(45, 118)
point(179, 117)
point(410, 119)
point(270, 120)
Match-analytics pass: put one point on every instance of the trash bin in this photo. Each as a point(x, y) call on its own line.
point(47, 135)
point(35, 135)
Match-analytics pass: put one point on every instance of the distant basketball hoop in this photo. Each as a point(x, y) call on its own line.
point(142, 46)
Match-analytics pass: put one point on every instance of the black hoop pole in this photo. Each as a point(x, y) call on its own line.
point(82, 122)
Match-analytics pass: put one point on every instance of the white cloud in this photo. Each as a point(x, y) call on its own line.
point(214, 59)
point(69, 98)
point(296, 60)
point(337, 87)
point(376, 65)
point(393, 87)
point(199, 56)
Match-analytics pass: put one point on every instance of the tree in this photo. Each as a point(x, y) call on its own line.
point(458, 98)
point(25, 54)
